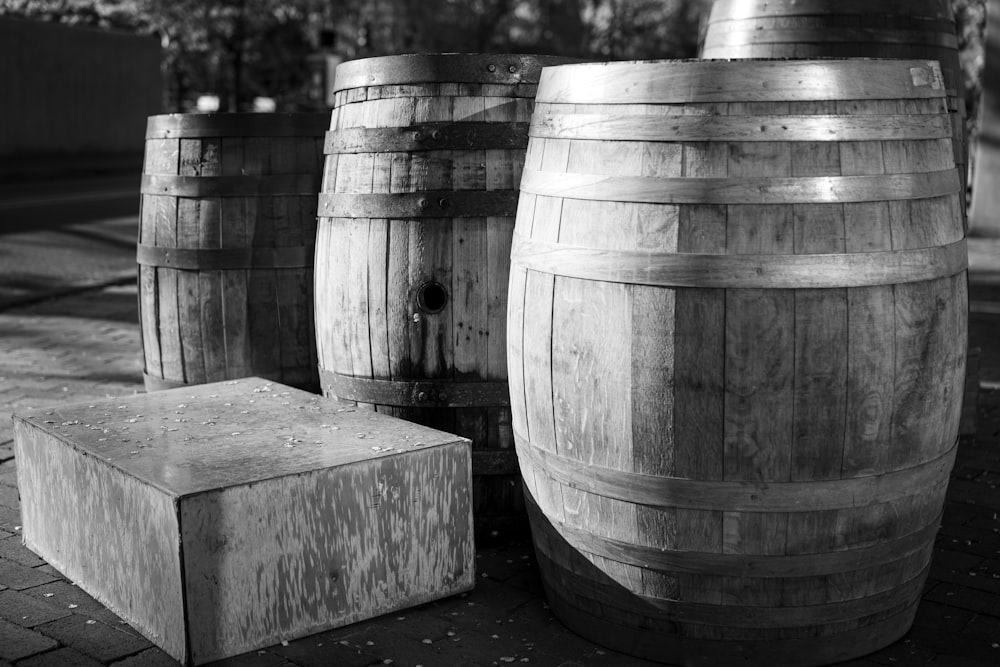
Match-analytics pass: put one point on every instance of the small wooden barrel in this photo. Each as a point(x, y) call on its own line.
point(226, 238)
point(413, 251)
point(922, 29)
point(736, 341)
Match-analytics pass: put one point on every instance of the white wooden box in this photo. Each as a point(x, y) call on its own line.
point(226, 517)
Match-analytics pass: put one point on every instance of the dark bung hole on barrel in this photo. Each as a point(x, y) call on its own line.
point(432, 297)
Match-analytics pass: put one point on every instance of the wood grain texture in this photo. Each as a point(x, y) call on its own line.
point(225, 517)
point(103, 530)
point(668, 82)
point(301, 554)
point(417, 215)
point(205, 315)
point(670, 431)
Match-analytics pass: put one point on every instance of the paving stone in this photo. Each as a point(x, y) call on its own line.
point(503, 563)
point(984, 627)
point(17, 642)
point(961, 646)
point(96, 639)
point(904, 652)
point(11, 548)
point(8, 473)
point(956, 661)
point(61, 657)
point(17, 576)
point(51, 571)
point(65, 595)
point(261, 658)
point(972, 492)
point(940, 616)
point(986, 524)
point(970, 570)
point(394, 650)
point(10, 519)
point(950, 560)
point(27, 611)
point(956, 595)
point(322, 651)
point(152, 657)
point(9, 497)
point(418, 626)
point(969, 540)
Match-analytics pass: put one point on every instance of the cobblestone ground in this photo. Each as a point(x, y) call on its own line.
point(87, 346)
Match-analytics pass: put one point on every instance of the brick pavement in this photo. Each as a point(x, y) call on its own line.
point(87, 346)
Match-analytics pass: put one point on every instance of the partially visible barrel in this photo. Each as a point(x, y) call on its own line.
point(417, 211)
point(736, 342)
point(225, 252)
point(984, 210)
point(921, 29)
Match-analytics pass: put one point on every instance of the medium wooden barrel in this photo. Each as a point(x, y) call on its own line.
point(225, 252)
point(736, 340)
point(921, 29)
point(413, 251)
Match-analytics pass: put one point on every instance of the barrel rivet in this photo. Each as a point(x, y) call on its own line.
point(436, 134)
point(491, 67)
point(418, 136)
point(444, 203)
point(422, 396)
point(512, 68)
point(423, 203)
point(443, 397)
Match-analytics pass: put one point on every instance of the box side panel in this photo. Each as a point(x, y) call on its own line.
point(115, 537)
point(289, 557)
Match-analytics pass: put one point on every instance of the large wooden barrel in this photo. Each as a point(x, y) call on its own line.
point(921, 29)
point(225, 252)
point(736, 339)
point(413, 251)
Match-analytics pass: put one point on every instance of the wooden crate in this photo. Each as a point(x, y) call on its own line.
point(225, 517)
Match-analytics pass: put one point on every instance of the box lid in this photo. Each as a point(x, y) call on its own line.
point(205, 437)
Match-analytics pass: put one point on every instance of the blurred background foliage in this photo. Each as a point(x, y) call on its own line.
point(243, 49)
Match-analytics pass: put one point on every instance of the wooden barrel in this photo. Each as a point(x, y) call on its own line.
point(921, 29)
point(736, 340)
point(413, 251)
point(225, 252)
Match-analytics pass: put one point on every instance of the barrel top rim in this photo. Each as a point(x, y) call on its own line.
point(236, 114)
point(740, 9)
point(451, 67)
point(214, 124)
point(733, 80)
point(709, 61)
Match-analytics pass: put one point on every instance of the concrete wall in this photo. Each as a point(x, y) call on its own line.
point(73, 96)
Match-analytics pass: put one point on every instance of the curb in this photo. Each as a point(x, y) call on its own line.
point(112, 281)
